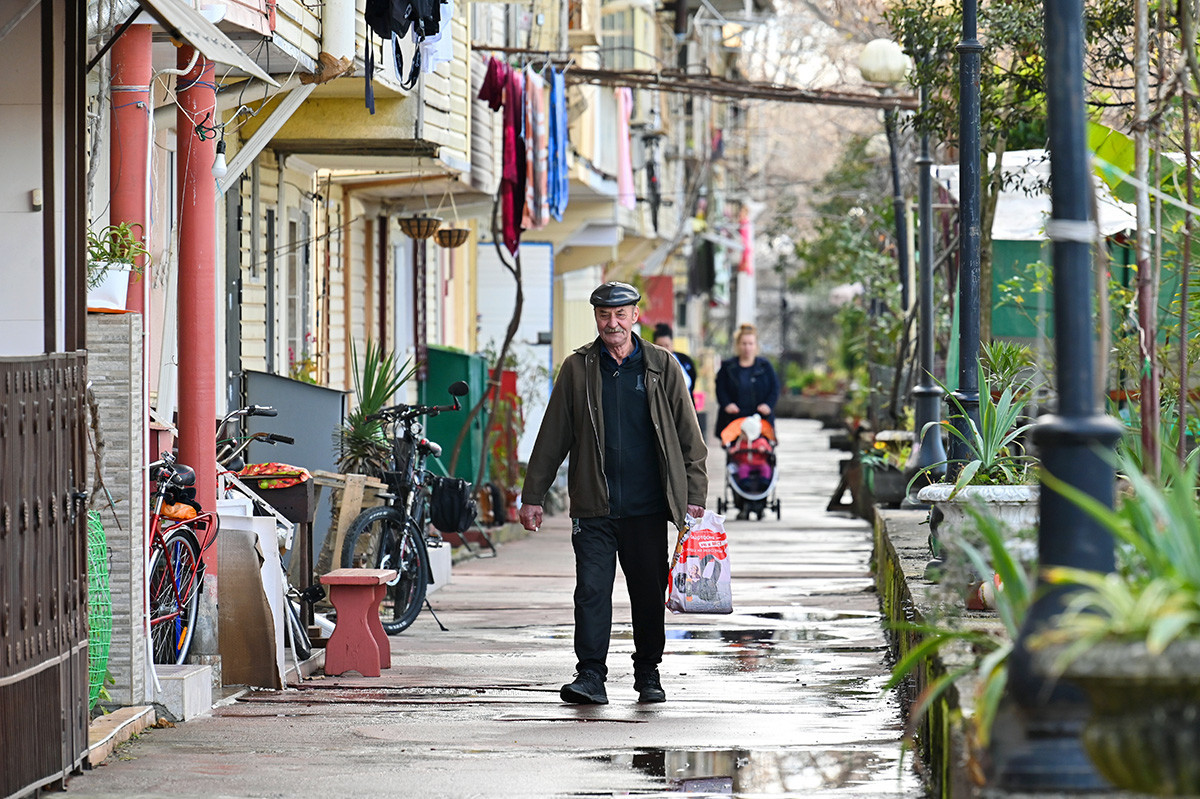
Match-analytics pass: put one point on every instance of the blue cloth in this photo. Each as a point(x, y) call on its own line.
point(559, 181)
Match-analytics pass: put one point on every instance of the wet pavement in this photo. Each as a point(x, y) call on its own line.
point(781, 698)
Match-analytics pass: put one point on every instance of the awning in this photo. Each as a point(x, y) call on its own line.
point(1024, 203)
point(186, 24)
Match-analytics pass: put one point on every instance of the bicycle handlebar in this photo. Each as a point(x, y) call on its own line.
point(403, 413)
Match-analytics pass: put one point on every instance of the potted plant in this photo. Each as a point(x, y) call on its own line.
point(361, 442)
point(1131, 639)
point(112, 256)
point(997, 471)
point(883, 479)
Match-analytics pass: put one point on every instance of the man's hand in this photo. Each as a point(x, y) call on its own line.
point(764, 409)
point(731, 408)
point(531, 517)
point(695, 511)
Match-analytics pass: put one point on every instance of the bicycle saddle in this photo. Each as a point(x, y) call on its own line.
point(184, 475)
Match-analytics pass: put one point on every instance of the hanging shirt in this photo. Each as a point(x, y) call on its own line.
point(438, 49)
point(626, 193)
point(502, 88)
point(537, 205)
point(558, 177)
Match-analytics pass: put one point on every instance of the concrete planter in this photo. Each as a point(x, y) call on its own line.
point(1145, 721)
point(825, 407)
point(886, 485)
point(1016, 506)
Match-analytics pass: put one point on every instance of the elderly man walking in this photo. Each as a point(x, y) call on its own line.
point(620, 408)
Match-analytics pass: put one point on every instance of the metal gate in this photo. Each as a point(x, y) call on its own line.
point(43, 580)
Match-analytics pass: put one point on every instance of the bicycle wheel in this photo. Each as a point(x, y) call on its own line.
point(381, 538)
point(174, 578)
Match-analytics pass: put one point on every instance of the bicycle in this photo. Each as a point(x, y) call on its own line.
point(229, 457)
point(175, 571)
point(392, 536)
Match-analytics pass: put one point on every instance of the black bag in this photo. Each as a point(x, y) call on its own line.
point(452, 505)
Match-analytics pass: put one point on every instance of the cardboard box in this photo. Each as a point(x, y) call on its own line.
point(250, 602)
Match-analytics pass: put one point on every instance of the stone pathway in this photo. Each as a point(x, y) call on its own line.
point(782, 698)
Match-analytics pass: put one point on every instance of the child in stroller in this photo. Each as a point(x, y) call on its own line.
point(750, 473)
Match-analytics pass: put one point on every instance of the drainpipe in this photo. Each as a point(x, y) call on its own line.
point(337, 28)
point(197, 309)
point(129, 145)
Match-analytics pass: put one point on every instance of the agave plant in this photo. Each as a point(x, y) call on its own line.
point(990, 652)
point(995, 454)
point(361, 442)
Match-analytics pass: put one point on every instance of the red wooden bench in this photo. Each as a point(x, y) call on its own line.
point(358, 642)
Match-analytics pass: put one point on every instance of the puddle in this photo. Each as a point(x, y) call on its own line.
point(736, 772)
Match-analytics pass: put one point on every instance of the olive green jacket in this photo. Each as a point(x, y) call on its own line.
point(574, 425)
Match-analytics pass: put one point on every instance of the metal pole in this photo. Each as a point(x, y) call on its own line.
point(1074, 445)
point(889, 125)
point(927, 395)
point(969, 60)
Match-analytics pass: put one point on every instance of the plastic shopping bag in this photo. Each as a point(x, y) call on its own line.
point(700, 577)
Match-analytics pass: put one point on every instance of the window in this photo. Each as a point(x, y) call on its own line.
point(272, 312)
point(296, 301)
point(617, 41)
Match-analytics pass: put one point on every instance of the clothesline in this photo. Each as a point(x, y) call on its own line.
point(555, 57)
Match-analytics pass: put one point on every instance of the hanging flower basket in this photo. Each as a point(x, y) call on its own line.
point(419, 226)
point(451, 237)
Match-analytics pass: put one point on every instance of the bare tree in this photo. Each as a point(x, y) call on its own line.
point(493, 384)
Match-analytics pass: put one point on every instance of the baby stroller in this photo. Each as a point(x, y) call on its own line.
point(750, 473)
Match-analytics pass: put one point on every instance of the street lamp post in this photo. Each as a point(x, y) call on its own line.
point(1075, 445)
point(970, 226)
point(927, 395)
point(883, 62)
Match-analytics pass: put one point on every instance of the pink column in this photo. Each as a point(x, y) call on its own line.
point(197, 310)
point(128, 143)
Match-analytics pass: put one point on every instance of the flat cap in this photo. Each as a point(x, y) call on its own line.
point(612, 295)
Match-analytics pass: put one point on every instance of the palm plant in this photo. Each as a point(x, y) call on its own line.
point(361, 442)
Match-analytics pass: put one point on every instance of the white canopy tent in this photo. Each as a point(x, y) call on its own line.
point(1024, 204)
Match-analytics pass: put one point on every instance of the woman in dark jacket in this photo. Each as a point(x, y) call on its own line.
point(747, 383)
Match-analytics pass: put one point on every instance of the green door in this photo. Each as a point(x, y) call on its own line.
point(445, 366)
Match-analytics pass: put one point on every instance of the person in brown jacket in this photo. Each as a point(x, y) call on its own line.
point(620, 408)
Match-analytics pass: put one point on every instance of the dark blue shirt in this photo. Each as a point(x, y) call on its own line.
point(630, 456)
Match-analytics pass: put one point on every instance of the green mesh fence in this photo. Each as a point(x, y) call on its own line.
point(99, 606)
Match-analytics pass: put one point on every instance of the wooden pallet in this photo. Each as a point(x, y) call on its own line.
point(358, 492)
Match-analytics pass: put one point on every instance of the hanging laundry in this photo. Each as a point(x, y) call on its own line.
point(626, 193)
point(391, 21)
point(559, 180)
point(438, 49)
point(503, 88)
point(537, 200)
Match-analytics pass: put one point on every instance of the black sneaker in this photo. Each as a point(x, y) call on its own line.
point(588, 689)
point(648, 686)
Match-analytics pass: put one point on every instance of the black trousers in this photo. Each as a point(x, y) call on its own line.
point(640, 543)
